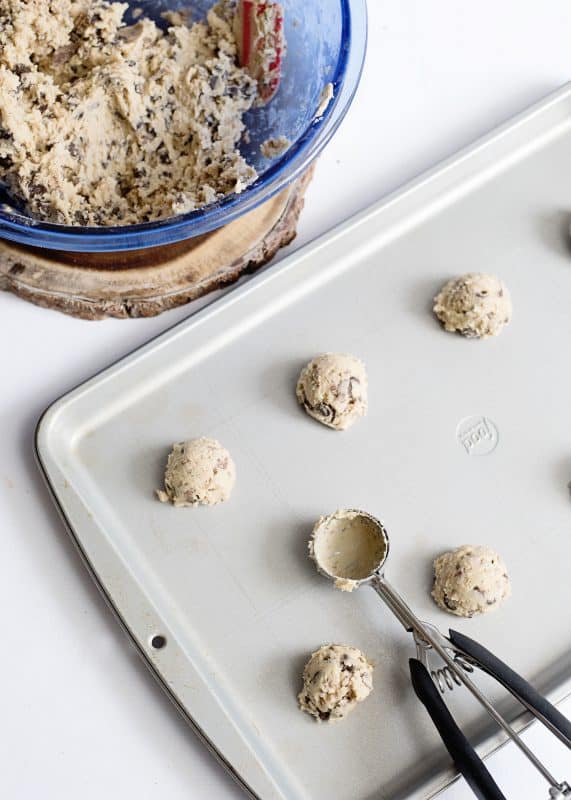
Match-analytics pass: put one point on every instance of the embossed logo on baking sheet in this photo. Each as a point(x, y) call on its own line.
point(478, 436)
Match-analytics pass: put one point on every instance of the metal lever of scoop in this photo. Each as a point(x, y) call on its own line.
point(426, 634)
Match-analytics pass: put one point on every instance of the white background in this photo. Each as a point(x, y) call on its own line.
point(80, 715)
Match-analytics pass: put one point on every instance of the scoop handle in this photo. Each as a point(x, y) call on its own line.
point(523, 691)
point(467, 761)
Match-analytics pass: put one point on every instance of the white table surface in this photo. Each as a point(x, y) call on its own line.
point(81, 716)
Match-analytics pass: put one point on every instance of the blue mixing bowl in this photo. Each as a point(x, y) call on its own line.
point(326, 41)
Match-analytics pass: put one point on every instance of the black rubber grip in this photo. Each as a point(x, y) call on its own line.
point(524, 691)
point(467, 761)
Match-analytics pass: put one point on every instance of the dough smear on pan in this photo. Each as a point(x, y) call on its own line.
point(335, 679)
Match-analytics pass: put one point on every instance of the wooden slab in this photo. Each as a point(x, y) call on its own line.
point(143, 283)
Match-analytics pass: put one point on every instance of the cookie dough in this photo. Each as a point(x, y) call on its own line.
point(348, 546)
point(333, 390)
point(470, 580)
point(335, 679)
point(198, 472)
point(325, 98)
point(476, 305)
point(275, 146)
point(103, 123)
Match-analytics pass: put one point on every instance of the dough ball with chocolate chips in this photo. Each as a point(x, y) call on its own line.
point(476, 305)
point(333, 390)
point(470, 580)
point(335, 679)
point(198, 472)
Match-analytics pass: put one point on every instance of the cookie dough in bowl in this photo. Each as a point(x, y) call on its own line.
point(198, 472)
point(475, 305)
point(470, 580)
point(335, 679)
point(333, 390)
point(317, 54)
point(103, 123)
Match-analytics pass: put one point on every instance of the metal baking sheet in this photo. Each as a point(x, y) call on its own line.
point(231, 588)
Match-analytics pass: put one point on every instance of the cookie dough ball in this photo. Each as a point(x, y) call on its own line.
point(198, 472)
point(333, 390)
point(476, 305)
point(335, 679)
point(470, 580)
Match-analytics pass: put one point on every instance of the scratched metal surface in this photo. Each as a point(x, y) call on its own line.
point(465, 441)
